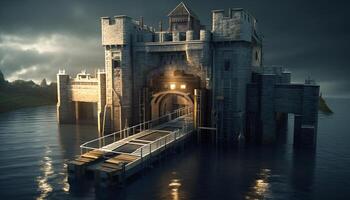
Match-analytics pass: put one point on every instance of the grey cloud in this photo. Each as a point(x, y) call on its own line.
point(308, 37)
point(68, 52)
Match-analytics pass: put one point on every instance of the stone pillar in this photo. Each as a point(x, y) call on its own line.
point(204, 35)
point(148, 97)
point(176, 36)
point(77, 110)
point(101, 115)
point(305, 131)
point(297, 127)
point(281, 126)
point(196, 108)
point(127, 86)
point(217, 16)
point(253, 129)
point(161, 36)
point(267, 112)
point(65, 107)
point(189, 35)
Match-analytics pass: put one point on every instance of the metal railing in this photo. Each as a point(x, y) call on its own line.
point(161, 143)
point(101, 142)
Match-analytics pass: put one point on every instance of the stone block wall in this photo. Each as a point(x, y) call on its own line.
point(288, 98)
point(269, 95)
point(71, 91)
point(223, 58)
point(267, 111)
point(121, 97)
point(84, 91)
point(237, 25)
point(114, 30)
point(231, 74)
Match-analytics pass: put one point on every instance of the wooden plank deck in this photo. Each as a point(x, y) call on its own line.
point(125, 154)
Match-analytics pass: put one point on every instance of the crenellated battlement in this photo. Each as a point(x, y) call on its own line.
point(177, 36)
point(237, 24)
point(122, 29)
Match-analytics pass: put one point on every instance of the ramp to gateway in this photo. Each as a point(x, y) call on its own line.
point(125, 151)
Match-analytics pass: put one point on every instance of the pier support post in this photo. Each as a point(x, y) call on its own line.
point(305, 125)
point(65, 107)
point(267, 113)
point(101, 115)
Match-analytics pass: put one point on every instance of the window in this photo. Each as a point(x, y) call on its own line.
point(115, 63)
point(256, 55)
point(227, 65)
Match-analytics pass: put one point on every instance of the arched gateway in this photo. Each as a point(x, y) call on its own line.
point(167, 101)
point(171, 89)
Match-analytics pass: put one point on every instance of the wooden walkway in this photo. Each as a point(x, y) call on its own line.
point(113, 157)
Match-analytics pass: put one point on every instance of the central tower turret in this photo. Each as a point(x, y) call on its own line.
point(183, 19)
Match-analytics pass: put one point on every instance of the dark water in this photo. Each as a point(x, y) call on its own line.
point(34, 149)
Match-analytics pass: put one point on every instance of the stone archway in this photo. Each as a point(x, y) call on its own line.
point(167, 101)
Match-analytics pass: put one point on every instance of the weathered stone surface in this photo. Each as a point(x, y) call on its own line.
point(241, 95)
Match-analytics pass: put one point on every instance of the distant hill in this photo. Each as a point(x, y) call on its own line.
point(21, 94)
point(323, 107)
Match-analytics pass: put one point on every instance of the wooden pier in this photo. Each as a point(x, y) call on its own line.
point(115, 157)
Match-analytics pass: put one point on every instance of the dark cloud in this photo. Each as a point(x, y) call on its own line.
point(39, 57)
point(310, 38)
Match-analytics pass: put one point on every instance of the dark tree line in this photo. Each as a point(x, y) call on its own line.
point(21, 93)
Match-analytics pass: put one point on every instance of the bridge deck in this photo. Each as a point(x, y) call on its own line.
point(125, 156)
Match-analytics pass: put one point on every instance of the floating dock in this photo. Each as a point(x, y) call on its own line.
point(117, 156)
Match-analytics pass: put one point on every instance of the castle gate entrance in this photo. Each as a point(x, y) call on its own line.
point(172, 90)
point(167, 101)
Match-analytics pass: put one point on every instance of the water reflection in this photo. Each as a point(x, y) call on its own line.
point(44, 186)
point(70, 136)
point(261, 187)
point(302, 176)
point(65, 184)
point(174, 186)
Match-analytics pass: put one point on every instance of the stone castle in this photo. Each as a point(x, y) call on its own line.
point(219, 71)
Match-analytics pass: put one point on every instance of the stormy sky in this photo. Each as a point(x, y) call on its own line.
point(309, 38)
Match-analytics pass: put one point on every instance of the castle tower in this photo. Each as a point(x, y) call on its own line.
point(182, 19)
point(117, 42)
point(237, 49)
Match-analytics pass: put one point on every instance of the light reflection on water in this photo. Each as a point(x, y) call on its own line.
point(65, 184)
point(48, 177)
point(174, 186)
point(44, 186)
point(261, 186)
point(34, 151)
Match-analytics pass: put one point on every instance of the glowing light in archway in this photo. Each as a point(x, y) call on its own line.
point(172, 86)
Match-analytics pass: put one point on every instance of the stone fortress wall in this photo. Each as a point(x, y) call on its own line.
point(236, 94)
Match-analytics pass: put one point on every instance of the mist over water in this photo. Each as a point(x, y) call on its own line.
point(34, 151)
